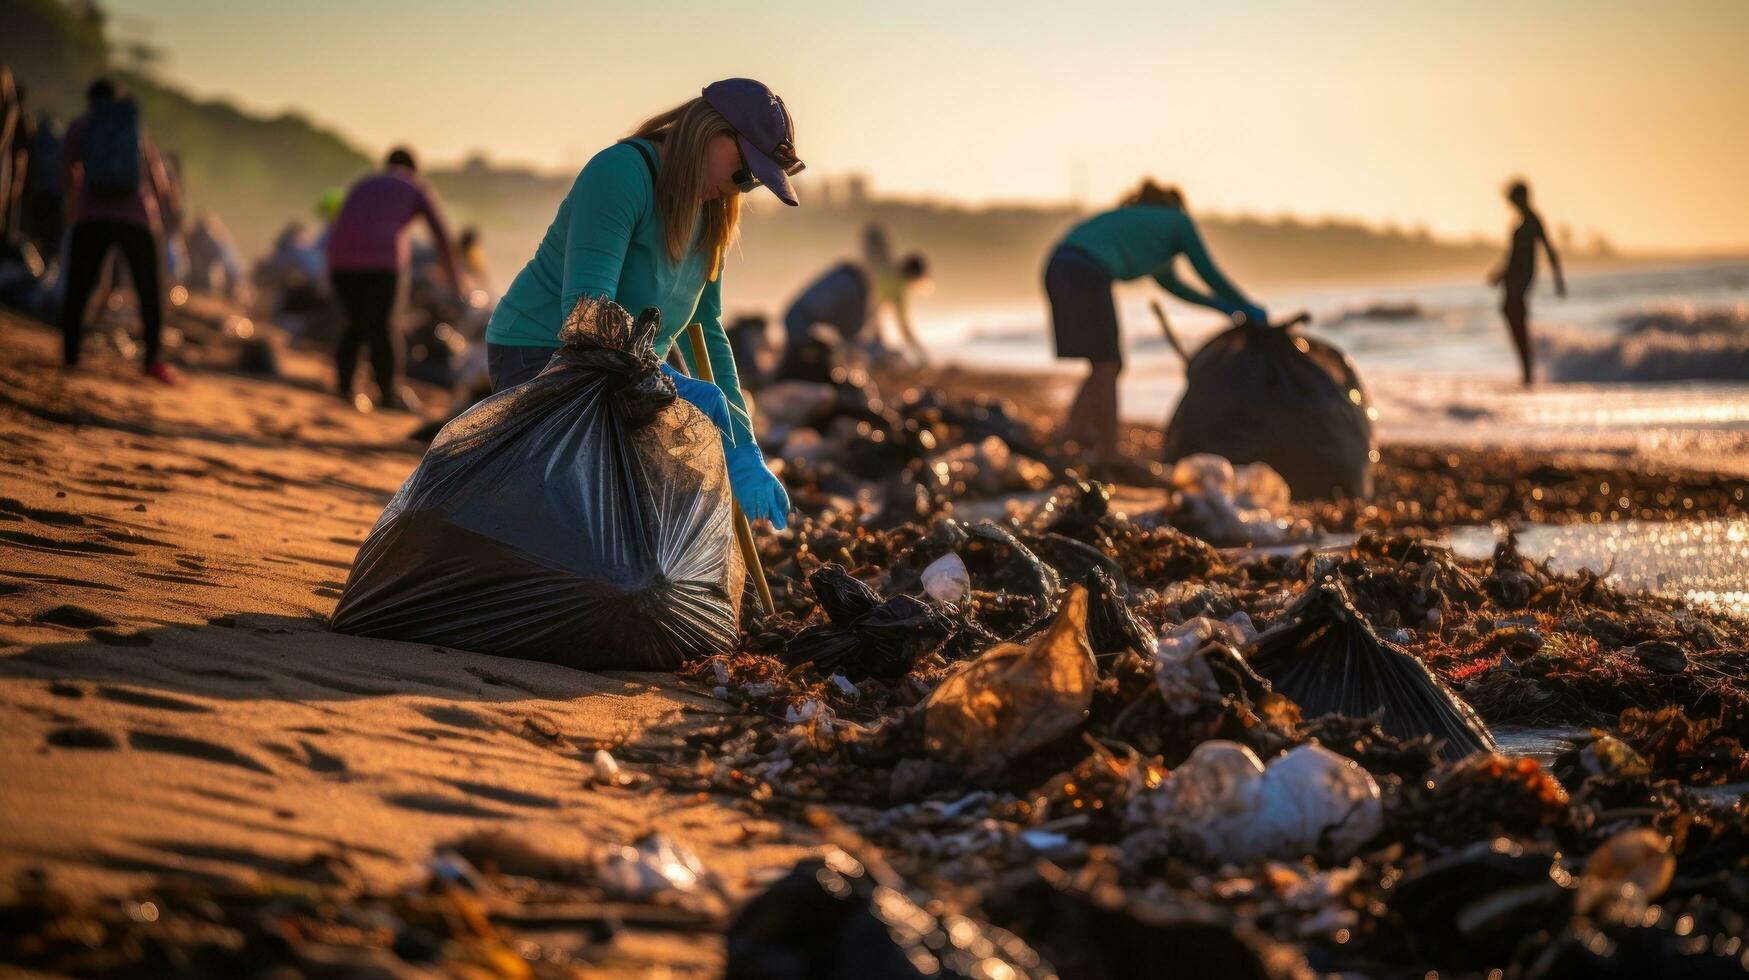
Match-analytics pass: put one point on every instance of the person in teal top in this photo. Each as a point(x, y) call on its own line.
point(647, 223)
point(1143, 237)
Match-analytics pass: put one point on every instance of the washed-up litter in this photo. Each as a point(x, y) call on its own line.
point(1228, 807)
point(946, 579)
point(1232, 505)
point(1015, 697)
point(582, 518)
point(865, 636)
point(1262, 394)
point(1330, 660)
point(832, 917)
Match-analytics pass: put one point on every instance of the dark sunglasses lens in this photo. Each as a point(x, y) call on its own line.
point(745, 181)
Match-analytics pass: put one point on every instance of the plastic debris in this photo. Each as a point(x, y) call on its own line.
point(1327, 658)
point(1016, 697)
point(867, 637)
point(1632, 869)
point(653, 866)
point(1230, 504)
point(1231, 808)
point(831, 917)
point(946, 579)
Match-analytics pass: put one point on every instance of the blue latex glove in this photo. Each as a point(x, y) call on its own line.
point(708, 397)
point(757, 490)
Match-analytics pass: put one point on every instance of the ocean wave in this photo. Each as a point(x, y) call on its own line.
point(1660, 345)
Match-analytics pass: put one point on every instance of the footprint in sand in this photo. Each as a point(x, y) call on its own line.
point(37, 542)
point(320, 761)
point(82, 737)
point(445, 714)
point(504, 794)
point(145, 699)
point(194, 748)
point(442, 805)
point(116, 639)
point(14, 508)
point(73, 617)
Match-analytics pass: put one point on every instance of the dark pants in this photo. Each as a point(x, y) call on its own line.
point(1083, 315)
point(87, 247)
point(511, 366)
point(367, 299)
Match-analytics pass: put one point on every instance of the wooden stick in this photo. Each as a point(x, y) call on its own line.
point(743, 529)
point(1166, 328)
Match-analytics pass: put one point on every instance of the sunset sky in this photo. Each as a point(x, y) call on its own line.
point(1629, 118)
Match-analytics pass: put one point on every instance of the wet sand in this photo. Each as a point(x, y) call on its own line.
point(171, 703)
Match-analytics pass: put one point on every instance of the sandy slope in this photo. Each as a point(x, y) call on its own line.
point(170, 698)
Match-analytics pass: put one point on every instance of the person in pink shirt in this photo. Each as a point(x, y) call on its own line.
point(367, 248)
point(115, 181)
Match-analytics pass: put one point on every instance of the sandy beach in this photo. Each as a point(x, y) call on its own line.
point(173, 703)
point(177, 711)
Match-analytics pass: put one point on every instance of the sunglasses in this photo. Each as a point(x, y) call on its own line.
point(783, 154)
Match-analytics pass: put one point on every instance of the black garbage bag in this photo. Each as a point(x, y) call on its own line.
point(866, 637)
point(583, 518)
point(829, 919)
point(1260, 394)
point(1111, 626)
point(1326, 657)
point(1097, 935)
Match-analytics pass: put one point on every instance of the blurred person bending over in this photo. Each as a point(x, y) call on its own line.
point(848, 296)
point(367, 248)
point(1142, 237)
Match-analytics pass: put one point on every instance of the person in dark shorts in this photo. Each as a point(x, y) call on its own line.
point(1519, 271)
point(367, 248)
point(118, 184)
point(1143, 237)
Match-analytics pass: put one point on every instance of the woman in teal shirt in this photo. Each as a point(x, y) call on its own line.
point(646, 223)
point(1144, 237)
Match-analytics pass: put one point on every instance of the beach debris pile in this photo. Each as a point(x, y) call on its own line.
point(1211, 776)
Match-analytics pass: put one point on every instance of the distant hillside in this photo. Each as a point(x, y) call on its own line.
point(258, 173)
point(255, 172)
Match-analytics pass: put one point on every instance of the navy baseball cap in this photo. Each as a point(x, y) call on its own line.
point(766, 132)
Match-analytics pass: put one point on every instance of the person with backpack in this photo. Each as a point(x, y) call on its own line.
point(1142, 237)
point(115, 181)
point(646, 224)
point(367, 248)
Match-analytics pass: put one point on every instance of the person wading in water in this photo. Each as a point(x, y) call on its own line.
point(1516, 276)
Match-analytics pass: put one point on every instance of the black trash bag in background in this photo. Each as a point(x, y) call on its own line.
point(830, 919)
point(1326, 657)
point(1261, 394)
point(867, 637)
point(582, 518)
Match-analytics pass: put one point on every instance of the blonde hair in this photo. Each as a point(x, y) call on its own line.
point(1150, 192)
point(683, 133)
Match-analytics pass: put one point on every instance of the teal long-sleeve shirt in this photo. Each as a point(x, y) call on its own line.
point(607, 240)
point(1145, 240)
